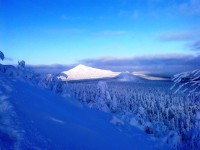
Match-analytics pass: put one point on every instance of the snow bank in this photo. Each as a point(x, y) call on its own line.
point(10, 134)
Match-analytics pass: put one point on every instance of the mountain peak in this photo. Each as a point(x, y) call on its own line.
point(80, 66)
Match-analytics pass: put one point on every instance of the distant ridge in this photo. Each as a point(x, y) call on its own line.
point(128, 77)
point(82, 72)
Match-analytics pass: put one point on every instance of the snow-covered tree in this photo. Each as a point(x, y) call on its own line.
point(188, 82)
point(102, 97)
point(114, 103)
point(197, 118)
point(153, 106)
point(21, 64)
point(62, 76)
point(1, 56)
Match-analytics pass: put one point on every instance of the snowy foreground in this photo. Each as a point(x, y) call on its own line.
point(41, 111)
point(32, 117)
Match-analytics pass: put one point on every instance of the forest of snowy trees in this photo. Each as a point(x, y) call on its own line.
point(161, 112)
point(159, 108)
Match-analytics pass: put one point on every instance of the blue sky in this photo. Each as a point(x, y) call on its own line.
point(78, 31)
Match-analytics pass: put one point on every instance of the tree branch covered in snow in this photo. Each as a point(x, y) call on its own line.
point(187, 82)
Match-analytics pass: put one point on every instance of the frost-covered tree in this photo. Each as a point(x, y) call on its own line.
point(102, 97)
point(62, 76)
point(54, 82)
point(21, 64)
point(197, 118)
point(1, 56)
point(154, 107)
point(114, 104)
point(188, 82)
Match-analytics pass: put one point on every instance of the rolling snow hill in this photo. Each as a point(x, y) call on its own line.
point(82, 72)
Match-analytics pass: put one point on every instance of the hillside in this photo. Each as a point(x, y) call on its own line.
point(35, 118)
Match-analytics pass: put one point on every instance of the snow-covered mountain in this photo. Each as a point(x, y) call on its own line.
point(82, 72)
point(128, 77)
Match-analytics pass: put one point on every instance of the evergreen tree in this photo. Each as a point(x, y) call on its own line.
point(1, 56)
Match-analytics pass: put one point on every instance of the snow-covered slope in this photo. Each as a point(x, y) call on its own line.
point(34, 118)
point(128, 77)
point(82, 72)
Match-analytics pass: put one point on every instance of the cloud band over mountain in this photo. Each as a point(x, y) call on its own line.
point(148, 64)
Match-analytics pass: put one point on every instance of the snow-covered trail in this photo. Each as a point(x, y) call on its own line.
point(48, 121)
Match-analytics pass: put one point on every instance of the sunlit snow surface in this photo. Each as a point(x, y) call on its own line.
point(81, 72)
point(34, 118)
